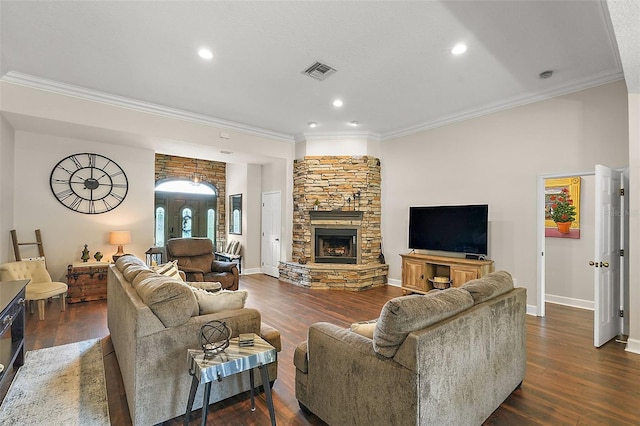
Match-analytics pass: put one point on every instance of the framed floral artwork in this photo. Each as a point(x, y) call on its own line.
point(562, 207)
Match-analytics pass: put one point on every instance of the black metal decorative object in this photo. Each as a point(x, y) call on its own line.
point(214, 337)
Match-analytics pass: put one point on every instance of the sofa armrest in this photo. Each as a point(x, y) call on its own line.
point(271, 335)
point(300, 358)
point(342, 366)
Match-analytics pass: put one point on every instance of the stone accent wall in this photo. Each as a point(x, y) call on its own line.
point(213, 172)
point(337, 183)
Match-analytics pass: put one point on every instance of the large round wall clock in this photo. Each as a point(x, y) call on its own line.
point(89, 183)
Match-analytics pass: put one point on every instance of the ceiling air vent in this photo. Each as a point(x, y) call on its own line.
point(319, 71)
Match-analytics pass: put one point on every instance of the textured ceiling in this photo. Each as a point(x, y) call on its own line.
point(395, 72)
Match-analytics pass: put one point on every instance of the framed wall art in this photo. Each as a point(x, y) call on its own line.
point(562, 207)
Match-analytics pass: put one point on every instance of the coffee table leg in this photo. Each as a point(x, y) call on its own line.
point(264, 374)
point(252, 386)
point(192, 396)
point(205, 403)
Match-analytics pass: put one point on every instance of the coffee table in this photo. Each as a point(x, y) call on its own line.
point(235, 359)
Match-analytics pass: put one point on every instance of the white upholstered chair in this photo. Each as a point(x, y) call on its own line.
point(40, 288)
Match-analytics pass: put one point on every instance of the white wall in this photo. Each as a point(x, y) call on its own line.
point(634, 221)
point(64, 232)
point(237, 184)
point(246, 179)
point(253, 213)
point(569, 278)
point(277, 176)
point(7, 148)
point(496, 159)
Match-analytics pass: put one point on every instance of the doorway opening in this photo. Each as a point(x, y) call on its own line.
point(184, 209)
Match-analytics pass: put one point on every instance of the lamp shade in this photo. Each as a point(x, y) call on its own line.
point(119, 237)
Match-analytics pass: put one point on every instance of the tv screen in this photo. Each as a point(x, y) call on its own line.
point(460, 229)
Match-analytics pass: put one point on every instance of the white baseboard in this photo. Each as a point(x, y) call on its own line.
point(633, 346)
point(251, 271)
point(394, 282)
point(532, 310)
point(570, 301)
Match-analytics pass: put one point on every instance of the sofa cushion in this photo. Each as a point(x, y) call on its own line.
point(171, 300)
point(364, 328)
point(491, 285)
point(209, 286)
point(402, 315)
point(223, 300)
point(169, 269)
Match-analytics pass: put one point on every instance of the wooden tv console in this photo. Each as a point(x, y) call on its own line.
point(417, 269)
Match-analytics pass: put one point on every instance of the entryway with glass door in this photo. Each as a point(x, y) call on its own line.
point(182, 214)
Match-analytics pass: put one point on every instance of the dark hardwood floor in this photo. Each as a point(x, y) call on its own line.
point(568, 381)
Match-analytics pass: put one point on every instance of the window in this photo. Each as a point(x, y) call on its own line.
point(160, 224)
point(211, 225)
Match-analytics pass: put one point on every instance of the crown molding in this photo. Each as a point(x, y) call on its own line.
point(333, 136)
point(30, 81)
point(511, 103)
point(123, 102)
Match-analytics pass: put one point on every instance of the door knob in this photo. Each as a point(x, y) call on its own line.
point(601, 264)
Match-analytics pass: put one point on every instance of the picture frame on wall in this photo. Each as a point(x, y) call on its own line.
point(558, 191)
point(235, 214)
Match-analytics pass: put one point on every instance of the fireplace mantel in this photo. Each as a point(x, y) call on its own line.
point(335, 215)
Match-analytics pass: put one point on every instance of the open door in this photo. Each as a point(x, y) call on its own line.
point(607, 265)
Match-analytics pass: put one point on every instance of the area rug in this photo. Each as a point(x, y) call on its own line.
point(61, 385)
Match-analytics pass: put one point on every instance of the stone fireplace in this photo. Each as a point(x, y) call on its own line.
point(336, 224)
point(335, 237)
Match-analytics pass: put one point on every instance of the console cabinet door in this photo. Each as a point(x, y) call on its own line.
point(413, 275)
point(460, 275)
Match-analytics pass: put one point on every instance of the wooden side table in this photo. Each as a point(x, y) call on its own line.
point(235, 359)
point(87, 281)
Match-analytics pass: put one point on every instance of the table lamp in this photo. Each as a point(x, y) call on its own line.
point(119, 238)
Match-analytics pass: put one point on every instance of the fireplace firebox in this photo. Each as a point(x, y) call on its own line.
point(336, 245)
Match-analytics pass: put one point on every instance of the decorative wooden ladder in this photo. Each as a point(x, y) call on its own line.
point(16, 244)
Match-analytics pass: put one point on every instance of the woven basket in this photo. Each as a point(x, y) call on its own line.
point(440, 283)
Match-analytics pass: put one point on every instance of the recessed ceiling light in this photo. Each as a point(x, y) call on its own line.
point(546, 74)
point(312, 124)
point(459, 49)
point(337, 103)
point(354, 123)
point(205, 53)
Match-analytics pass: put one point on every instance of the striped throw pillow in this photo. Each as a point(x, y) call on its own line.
point(169, 269)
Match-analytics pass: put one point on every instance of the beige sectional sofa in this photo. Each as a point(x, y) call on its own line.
point(449, 357)
point(153, 320)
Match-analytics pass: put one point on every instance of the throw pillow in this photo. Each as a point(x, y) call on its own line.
point(169, 269)
point(223, 300)
point(209, 286)
point(364, 328)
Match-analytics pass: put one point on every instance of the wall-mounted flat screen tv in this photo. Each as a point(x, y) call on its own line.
point(459, 229)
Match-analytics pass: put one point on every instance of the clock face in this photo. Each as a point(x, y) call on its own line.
point(89, 183)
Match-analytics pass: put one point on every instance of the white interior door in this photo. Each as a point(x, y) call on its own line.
point(607, 323)
point(271, 226)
